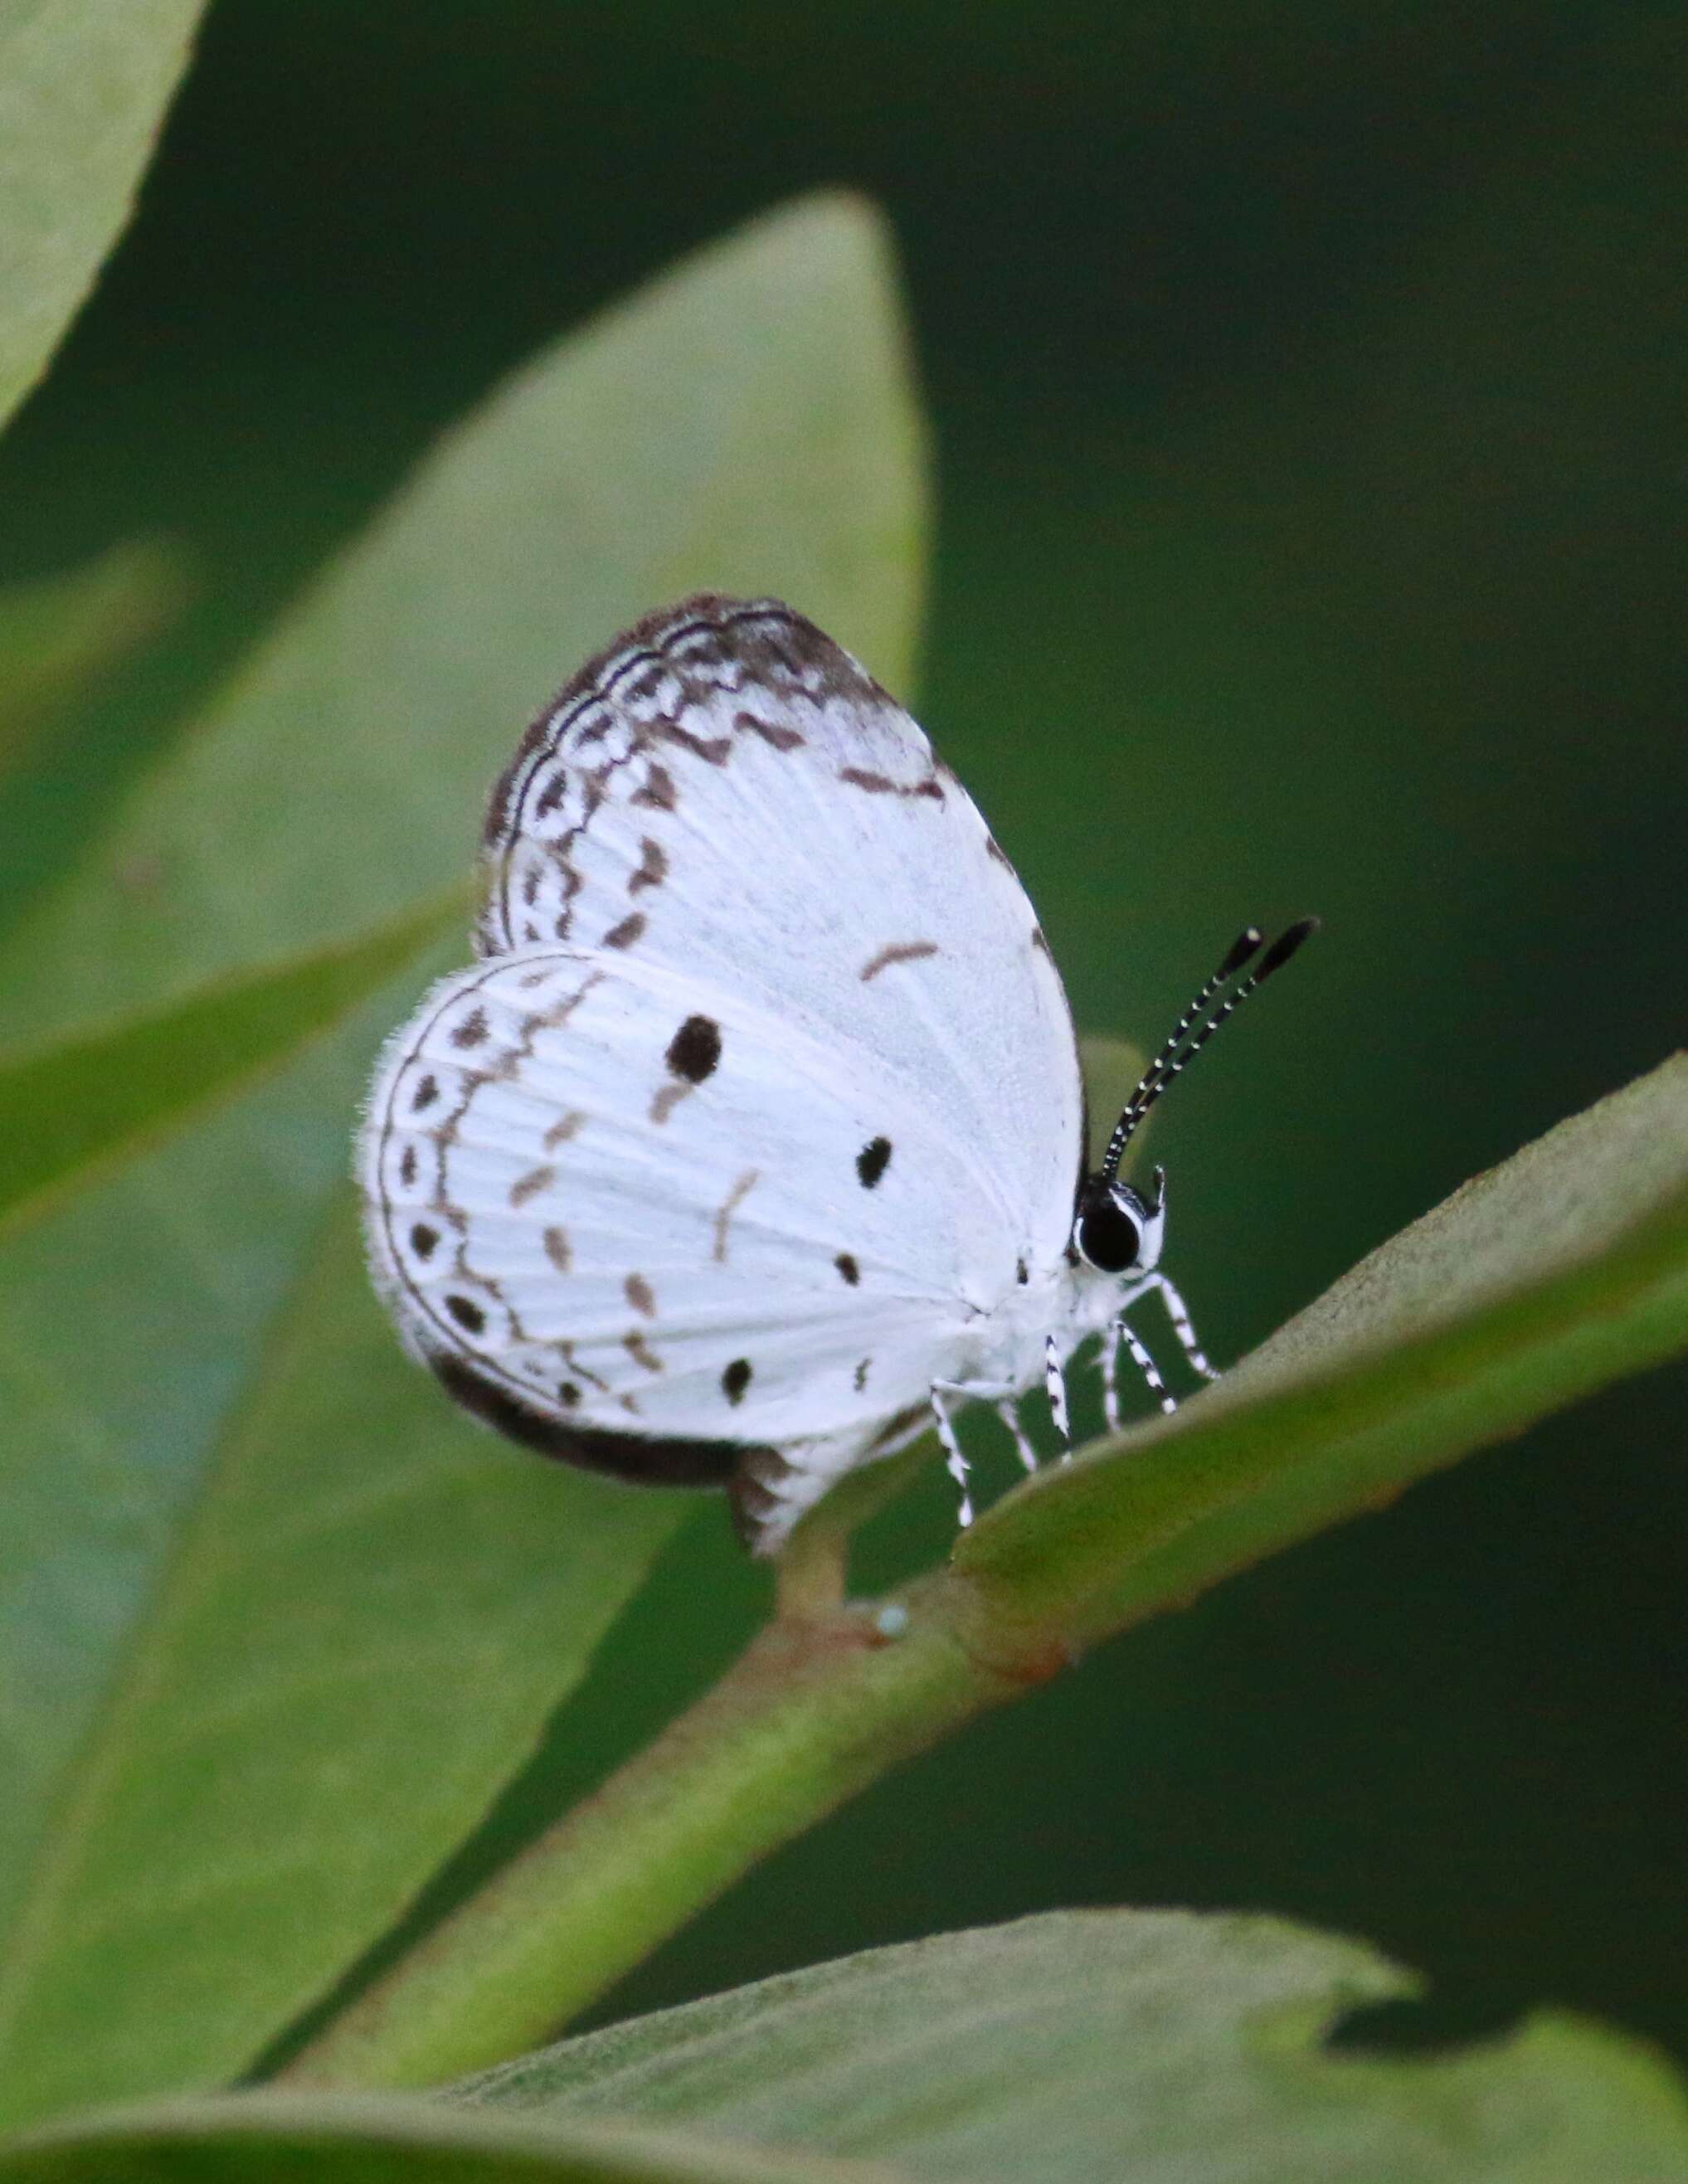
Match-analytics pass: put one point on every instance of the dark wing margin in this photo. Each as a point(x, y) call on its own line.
point(752, 1473)
point(642, 1458)
point(709, 643)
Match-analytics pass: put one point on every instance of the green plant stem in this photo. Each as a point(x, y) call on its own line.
point(1338, 1414)
point(808, 1715)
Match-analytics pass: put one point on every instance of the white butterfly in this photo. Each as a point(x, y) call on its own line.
point(755, 1142)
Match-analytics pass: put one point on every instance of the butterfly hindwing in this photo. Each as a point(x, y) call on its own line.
point(634, 1205)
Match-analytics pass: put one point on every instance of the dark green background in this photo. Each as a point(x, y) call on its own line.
point(1313, 448)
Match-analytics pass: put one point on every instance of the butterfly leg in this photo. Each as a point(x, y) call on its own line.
point(953, 1462)
point(1111, 1379)
point(1145, 1365)
point(1055, 1385)
point(1004, 1396)
point(1178, 1313)
point(1023, 1448)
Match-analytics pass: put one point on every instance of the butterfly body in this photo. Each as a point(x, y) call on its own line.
point(759, 1125)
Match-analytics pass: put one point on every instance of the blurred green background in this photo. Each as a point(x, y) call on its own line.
point(1312, 444)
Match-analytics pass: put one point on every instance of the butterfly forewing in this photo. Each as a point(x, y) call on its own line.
point(727, 793)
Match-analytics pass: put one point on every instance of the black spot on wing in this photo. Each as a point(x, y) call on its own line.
point(872, 1160)
point(695, 1049)
point(845, 1263)
point(736, 1380)
point(468, 1315)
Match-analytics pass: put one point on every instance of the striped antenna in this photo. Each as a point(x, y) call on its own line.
point(1175, 1056)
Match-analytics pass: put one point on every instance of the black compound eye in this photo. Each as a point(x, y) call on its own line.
point(1108, 1236)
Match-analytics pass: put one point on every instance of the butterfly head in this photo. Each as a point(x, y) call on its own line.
point(1117, 1229)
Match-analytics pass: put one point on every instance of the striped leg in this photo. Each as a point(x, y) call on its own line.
point(1001, 1393)
point(1144, 1364)
point(953, 1462)
point(1179, 1313)
point(1055, 1385)
point(1023, 1448)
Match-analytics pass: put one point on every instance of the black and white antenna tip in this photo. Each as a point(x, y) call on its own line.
point(1246, 942)
point(1284, 947)
point(1212, 1006)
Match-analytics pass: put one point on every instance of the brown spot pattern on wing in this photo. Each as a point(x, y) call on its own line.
point(641, 1352)
point(728, 1206)
point(881, 784)
point(897, 951)
point(652, 868)
point(701, 679)
point(667, 1097)
point(657, 792)
point(531, 1184)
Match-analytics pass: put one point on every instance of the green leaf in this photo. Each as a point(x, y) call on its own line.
point(83, 88)
point(745, 425)
point(366, 1617)
point(1086, 2048)
point(71, 1108)
point(1537, 1283)
point(275, 1623)
point(63, 632)
point(1532, 1286)
point(266, 2139)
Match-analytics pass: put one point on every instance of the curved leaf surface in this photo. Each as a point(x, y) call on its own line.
point(1562, 1270)
point(275, 1623)
point(745, 424)
point(1535, 1283)
point(73, 1107)
point(83, 88)
point(1082, 2047)
point(62, 632)
point(264, 2139)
